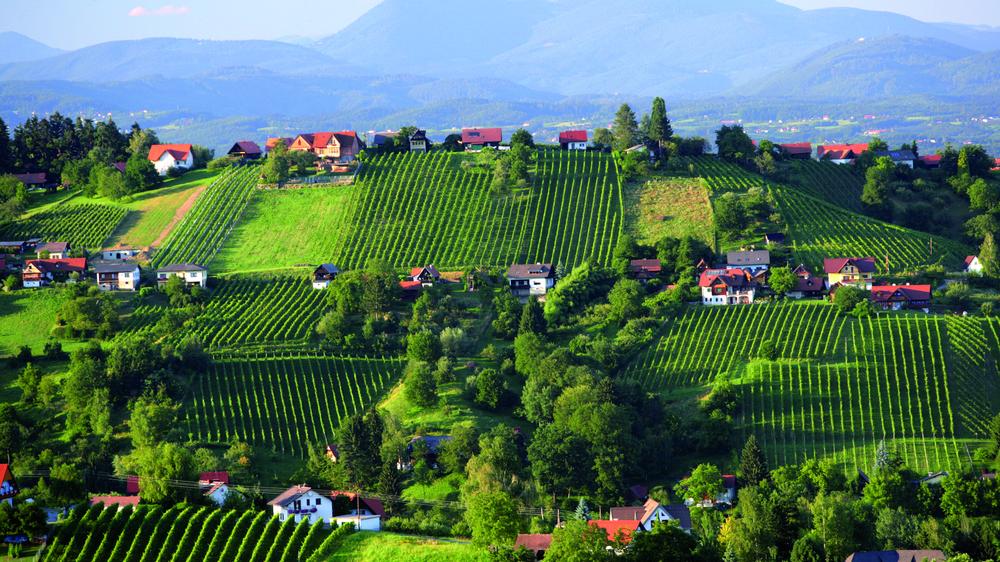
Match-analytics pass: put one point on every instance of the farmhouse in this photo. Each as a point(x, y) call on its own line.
point(652, 512)
point(899, 157)
point(192, 274)
point(324, 275)
point(536, 544)
point(215, 486)
point(806, 285)
point(419, 142)
point(166, 157)
point(858, 272)
point(8, 487)
point(39, 273)
point(301, 502)
point(38, 179)
point(531, 280)
point(245, 150)
point(645, 270)
point(117, 276)
point(274, 141)
point(53, 250)
point(840, 153)
point(477, 139)
point(119, 253)
point(751, 261)
point(623, 529)
point(720, 287)
point(573, 140)
point(797, 150)
point(365, 513)
point(899, 297)
point(898, 556)
point(973, 265)
point(340, 147)
point(427, 275)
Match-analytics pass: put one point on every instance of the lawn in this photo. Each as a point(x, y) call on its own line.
point(283, 229)
point(675, 207)
point(392, 546)
point(26, 317)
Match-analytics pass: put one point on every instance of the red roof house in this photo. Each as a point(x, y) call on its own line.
point(931, 161)
point(645, 270)
point(615, 529)
point(37, 273)
point(798, 150)
point(8, 487)
point(996, 164)
point(898, 297)
point(726, 287)
point(840, 152)
point(211, 477)
point(166, 157)
point(479, 138)
point(573, 140)
point(536, 544)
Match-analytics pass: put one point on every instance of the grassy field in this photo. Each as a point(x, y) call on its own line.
point(287, 228)
point(391, 546)
point(153, 213)
point(28, 316)
point(674, 207)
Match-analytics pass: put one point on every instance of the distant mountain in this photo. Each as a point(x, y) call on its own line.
point(174, 58)
point(885, 67)
point(15, 47)
point(673, 47)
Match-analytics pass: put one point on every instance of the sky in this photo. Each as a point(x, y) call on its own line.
point(71, 24)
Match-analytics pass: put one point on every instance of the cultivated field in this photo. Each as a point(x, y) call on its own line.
point(86, 226)
point(833, 183)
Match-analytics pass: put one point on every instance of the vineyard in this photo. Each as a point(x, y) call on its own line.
point(186, 533)
point(833, 183)
point(204, 229)
point(83, 226)
point(285, 403)
point(411, 209)
point(837, 385)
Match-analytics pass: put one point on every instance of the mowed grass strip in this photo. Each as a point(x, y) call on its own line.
point(282, 229)
point(26, 317)
point(675, 207)
point(153, 213)
point(391, 546)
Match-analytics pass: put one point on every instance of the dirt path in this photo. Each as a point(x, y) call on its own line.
point(178, 215)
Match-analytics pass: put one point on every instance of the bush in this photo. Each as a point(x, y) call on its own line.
point(420, 387)
point(423, 346)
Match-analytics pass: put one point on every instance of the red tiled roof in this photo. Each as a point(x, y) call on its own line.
point(374, 505)
point(482, 136)
point(613, 528)
point(969, 260)
point(835, 265)
point(7, 475)
point(840, 151)
point(573, 136)
point(931, 159)
point(409, 285)
point(797, 147)
point(416, 271)
point(213, 488)
point(178, 151)
point(120, 501)
point(534, 543)
point(731, 277)
point(64, 265)
point(132, 485)
point(31, 179)
point(907, 293)
point(996, 164)
point(649, 266)
point(220, 476)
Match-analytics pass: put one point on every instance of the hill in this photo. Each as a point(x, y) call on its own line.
point(15, 47)
point(885, 67)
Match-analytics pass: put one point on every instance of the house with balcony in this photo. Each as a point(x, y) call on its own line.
point(855, 272)
point(531, 280)
point(302, 503)
point(724, 287)
point(190, 273)
point(39, 273)
point(121, 276)
point(419, 142)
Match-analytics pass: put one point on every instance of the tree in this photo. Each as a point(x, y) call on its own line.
point(625, 128)
point(489, 388)
point(560, 459)
point(582, 510)
point(140, 174)
point(834, 523)
point(704, 484)
point(579, 541)
point(532, 318)
point(158, 466)
point(423, 346)
point(499, 465)
point(140, 140)
point(808, 548)
point(660, 130)
point(782, 280)
point(420, 387)
point(6, 158)
point(993, 432)
point(847, 298)
point(887, 488)
point(29, 379)
point(974, 161)
point(452, 143)
point(153, 418)
point(603, 139)
point(989, 255)
point(878, 181)
point(753, 464)
point(277, 165)
point(984, 195)
point(522, 137)
point(665, 541)
point(110, 183)
point(452, 341)
point(734, 144)
point(626, 299)
point(360, 443)
point(493, 518)
point(455, 453)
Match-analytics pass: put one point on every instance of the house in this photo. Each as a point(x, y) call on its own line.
point(536, 544)
point(931, 161)
point(381, 139)
point(245, 150)
point(419, 142)
point(652, 512)
point(528, 280)
point(192, 274)
point(119, 253)
point(132, 485)
point(858, 272)
point(899, 297)
point(427, 275)
point(365, 513)
point(726, 287)
point(121, 167)
point(8, 486)
point(215, 486)
point(898, 556)
point(932, 479)
point(840, 153)
point(728, 496)
point(645, 270)
point(301, 502)
point(973, 265)
point(701, 266)
point(806, 284)
point(15, 247)
point(751, 261)
point(53, 250)
point(166, 157)
point(274, 141)
point(797, 150)
point(573, 140)
point(623, 529)
point(324, 275)
point(431, 445)
point(39, 179)
point(899, 157)
point(332, 452)
point(774, 238)
point(340, 147)
point(121, 502)
point(122, 276)
point(38, 273)
point(996, 165)
point(477, 139)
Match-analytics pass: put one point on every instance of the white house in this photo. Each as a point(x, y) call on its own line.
point(166, 157)
point(752, 261)
point(365, 513)
point(121, 276)
point(53, 250)
point(721, 287)
point(651, 512)
point(324, 275)
point(301, 502)
point(527, 280)
point(727, 497)
point(573, 140)
point(192, 274)
point(419, 142)
point(119, 253)
point(215, 486)
point(973, 265)
point(218, 492)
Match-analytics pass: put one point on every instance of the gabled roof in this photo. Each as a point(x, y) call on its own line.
point(217, 476)
point(120, 501)
point(383, 137)
point(898, 556)
point(531, 271)
point(420, 135)
point(181, 268)
point(214, 487)
point(409, 285)
point(482, 136)
point(648, 266)
point(65, 265)
point(680, 513)
point(433, 442)
point(735, 278)
point(802, 271)
point(53, 247)
point(534, 542)
point(273, 141)
point(248, 147)
point(795, 148)
point(749, 257)
point(898, 155)
point(970, 259)
point(840, 151)
point(931, 159)
point(7, 475)
point(38, 178)
point(573, 136)
point(289, 495)
point(374, 505)
point(178, 151)
point(904, 293)
point(329, 268)
point(346, 137)
point(613, 528)
point(808, 284)
point(836, 265)
point(116, 267)
point(430, 269)
point(631, 513)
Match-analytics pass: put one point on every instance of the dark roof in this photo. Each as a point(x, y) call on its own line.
point(420, 135)
point(651, 266)
point(797, 147)
point(749, 257)
point(116, 267)
point(898, 155)
point(835, 265)
point(729, 481)
point(38, 178)
point(681, 513)
point(898, 556)
point(383, 137)
point(374, 505)
point(531, 271)
point(901, 293)
point(53, 247)
point(535, 542)
point(802, 271)
point(808, 284)
point(572, 136)
point(248, 147)
point(433, 442)
point(632, 513)
point(181, 267)
point(482, 136)
point(430, 269)
point(289, 495)
point(329, 268)
point(132, 485)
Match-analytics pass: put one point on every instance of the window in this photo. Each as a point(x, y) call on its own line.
point(318, 501)
point(307, 502)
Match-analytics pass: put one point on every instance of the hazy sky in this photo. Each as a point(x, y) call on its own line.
point(70, 24)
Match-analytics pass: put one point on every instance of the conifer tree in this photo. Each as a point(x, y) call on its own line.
point(625, 129)
point(532, 318)
point(753, 464)
point(660, 129)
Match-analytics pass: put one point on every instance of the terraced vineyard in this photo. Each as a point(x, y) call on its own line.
point(833, 183)
point(839, 385)
point(186, 533)
point(413, 209)
point(85, 226)
point(286, 403)
point(204, 229)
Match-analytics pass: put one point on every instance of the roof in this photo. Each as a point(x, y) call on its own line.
point(249, 147)
point(382, 137)
point(631, 513)
point(534, 543)
point(11, 243)
point(650, 266)
point(730, 277)
point(680, 513)
point(178, 151)
point(531, 271)
point(573, 136)
point(433, 442)
point(346, 137)
point(802, 270)
point(60, 265)
point(120, 501)
point(328, 268)
point(431, 270)
point(898, 155)
point(898, 556)
point(932, 159)
point(218, 476)
point(808, 284)
point(969, 260)
point(729, 481)
point(836, 265)
point(290, 495)
point(613, 528)
point(132, 485)
point(214, 487)
point(181, 267)
point(117, 267)
point(409, 285)
point(996, 164)
point(840, 151)
point(887, 293)
point(797, 147)
point(273, 141)
point(420, 135)
point(482, 136)
point(7, 475)
point(374, 505)
point(749, 257)
point(53, 247)
point(38, 178)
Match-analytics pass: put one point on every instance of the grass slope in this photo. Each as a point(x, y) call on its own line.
point(668, 206)
point(153, 213)
point(392, 546)
point(27, 317)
